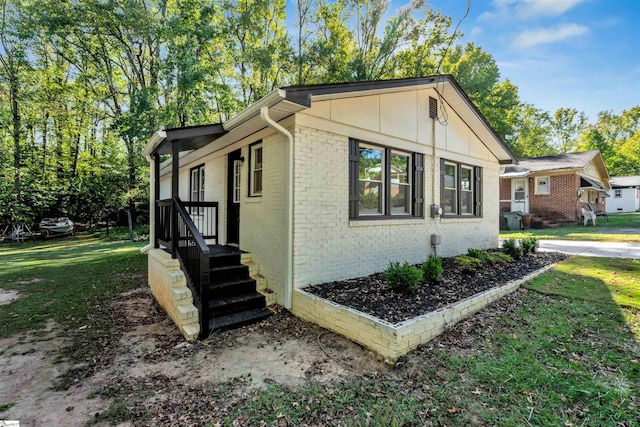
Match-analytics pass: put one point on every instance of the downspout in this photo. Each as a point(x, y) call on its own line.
point(433, 161)
point(288, 275)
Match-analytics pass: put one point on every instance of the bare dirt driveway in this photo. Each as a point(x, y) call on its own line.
point(152, 365)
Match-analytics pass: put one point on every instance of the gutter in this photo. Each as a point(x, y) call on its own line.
point(268, 100)
point(288, 274)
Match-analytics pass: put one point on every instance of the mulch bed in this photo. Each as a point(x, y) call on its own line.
point(372, 296)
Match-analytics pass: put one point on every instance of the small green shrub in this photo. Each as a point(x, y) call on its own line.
point(403, 277)
point(467, 264)
point(432, 269)
point(512, 248)
point(529, 245)
point(495, 258)
point(476, 253)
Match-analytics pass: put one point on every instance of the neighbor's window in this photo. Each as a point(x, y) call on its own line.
point(617, 193)
point(384, 182)
point(255, 170)
point(196, 186)
point(460, 189)
point(543, 185)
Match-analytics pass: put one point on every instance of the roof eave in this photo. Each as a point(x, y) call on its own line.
point(268, 100)
point(156, 139)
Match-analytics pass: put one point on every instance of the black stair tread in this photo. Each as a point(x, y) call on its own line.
point(233, 299)
point(233, 282)
point(239, 319)
point(219, 251)
point(229, 267)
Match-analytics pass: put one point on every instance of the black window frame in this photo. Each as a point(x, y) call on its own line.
point(417, 183)
point(250, 179)
point(477, 189)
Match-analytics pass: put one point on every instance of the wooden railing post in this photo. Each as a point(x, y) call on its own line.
point(175, 172)
point(204, 296)
point(156, 196)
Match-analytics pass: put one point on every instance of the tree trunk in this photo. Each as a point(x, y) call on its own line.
point(44, 145)
point(16, 138)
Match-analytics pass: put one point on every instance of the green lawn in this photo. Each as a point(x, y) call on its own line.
point(605, 280)
point(621, 227)
point(65, 279)
point(565, 351)
point(566, 357)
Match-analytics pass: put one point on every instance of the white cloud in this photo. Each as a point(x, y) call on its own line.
point(533, 37)
point(476, 31)
point(505, 11)
point(529, 8)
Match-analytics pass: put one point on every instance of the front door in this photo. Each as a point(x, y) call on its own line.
point(234, 168)
point(519, 195)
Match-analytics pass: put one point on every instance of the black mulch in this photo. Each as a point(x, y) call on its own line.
point(372, 296)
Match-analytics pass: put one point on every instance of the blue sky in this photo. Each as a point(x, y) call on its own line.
point(582, 54)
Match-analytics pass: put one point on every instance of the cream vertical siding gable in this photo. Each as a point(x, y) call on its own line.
point(361, 111)
point(402, 116)
point(399, 115)
point(424, 124)
point(457, 134)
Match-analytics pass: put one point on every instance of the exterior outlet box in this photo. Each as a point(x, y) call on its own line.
point(436, 239)
point(436, 210)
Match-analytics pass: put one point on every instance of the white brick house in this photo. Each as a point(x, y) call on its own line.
point(328, 182)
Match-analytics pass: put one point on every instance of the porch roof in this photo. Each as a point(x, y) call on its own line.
point(189, 138)
point(591, 183)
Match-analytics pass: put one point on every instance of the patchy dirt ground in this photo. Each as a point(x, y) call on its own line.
point(7, 296)
point(152, 365)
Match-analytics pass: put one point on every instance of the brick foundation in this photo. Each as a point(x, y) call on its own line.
point(169, 287)
point(394, 340)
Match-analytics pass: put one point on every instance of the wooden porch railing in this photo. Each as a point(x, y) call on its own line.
point(184, 236)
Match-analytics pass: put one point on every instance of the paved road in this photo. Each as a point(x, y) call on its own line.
point(590, 248)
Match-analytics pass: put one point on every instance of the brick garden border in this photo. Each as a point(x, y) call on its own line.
point(394, 340)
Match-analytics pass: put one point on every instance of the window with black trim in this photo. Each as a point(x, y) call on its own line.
point(460, 189)
point(255, 169)
point(196, 187)
point(384, 182)
point(617, 193)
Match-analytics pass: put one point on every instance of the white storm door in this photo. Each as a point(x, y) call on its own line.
point(519, 196)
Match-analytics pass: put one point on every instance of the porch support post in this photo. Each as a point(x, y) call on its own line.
point(175, 171)
point(156, 196)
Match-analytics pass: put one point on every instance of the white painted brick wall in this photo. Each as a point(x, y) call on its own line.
point(327, 246)
point(262, 219)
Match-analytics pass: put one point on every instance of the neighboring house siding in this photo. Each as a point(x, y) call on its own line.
point(628, 202)
point(561, 204)
point(328, 246)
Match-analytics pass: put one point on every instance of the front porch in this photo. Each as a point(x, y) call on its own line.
point(203, 285)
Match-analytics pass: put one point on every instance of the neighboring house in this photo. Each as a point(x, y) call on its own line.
point(625, 194)
point(318, 183)
point(556, 187)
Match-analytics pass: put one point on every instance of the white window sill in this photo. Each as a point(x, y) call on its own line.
point(373, 222)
